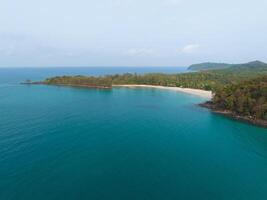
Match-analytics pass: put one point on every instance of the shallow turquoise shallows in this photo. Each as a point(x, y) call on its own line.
point(123, 144)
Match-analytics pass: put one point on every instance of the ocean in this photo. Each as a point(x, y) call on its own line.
point(76, 143)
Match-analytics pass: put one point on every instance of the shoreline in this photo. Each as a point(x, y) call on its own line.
point(197, 92)
point(234, 116)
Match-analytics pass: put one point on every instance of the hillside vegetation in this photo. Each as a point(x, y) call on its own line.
point(216, 66)
point(208, 66)
point(248, 98)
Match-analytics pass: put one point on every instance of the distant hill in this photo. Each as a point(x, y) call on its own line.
point(256, 65)
point(208, 66)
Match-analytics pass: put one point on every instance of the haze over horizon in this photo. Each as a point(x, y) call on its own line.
point(131, 32)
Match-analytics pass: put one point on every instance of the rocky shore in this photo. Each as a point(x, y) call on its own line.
point(235, 116)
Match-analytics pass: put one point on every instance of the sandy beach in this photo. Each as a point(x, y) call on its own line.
point(197, 92)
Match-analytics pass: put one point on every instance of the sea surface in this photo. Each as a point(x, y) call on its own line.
point(121, 144)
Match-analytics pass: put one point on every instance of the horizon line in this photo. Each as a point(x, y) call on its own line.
point(84, 66)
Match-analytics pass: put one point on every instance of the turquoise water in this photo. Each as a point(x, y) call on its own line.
point(70, 143)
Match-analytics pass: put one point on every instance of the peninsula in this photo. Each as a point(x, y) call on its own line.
point(238, 91)
point(76, 81)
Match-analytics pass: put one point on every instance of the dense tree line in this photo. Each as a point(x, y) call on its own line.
point(189, 80)
point(207, 80)
point(248, 98)
point(85, 81)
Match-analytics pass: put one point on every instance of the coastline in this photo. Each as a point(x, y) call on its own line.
point(235, 116)
point(197, 92)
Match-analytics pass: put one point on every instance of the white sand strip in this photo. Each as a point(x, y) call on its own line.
point(202, 93)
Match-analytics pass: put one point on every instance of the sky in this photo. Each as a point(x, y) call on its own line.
point(131, 32)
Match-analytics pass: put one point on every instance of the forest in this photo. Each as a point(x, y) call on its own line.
point(79, 81)
point(248, 98)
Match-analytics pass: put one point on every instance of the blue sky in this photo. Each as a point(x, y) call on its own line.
point(131, 32)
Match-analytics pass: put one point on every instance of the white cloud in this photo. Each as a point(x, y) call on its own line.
point(140, 52)
point(190, 48)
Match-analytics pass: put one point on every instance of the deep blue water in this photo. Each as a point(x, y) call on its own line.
point(74, 143)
